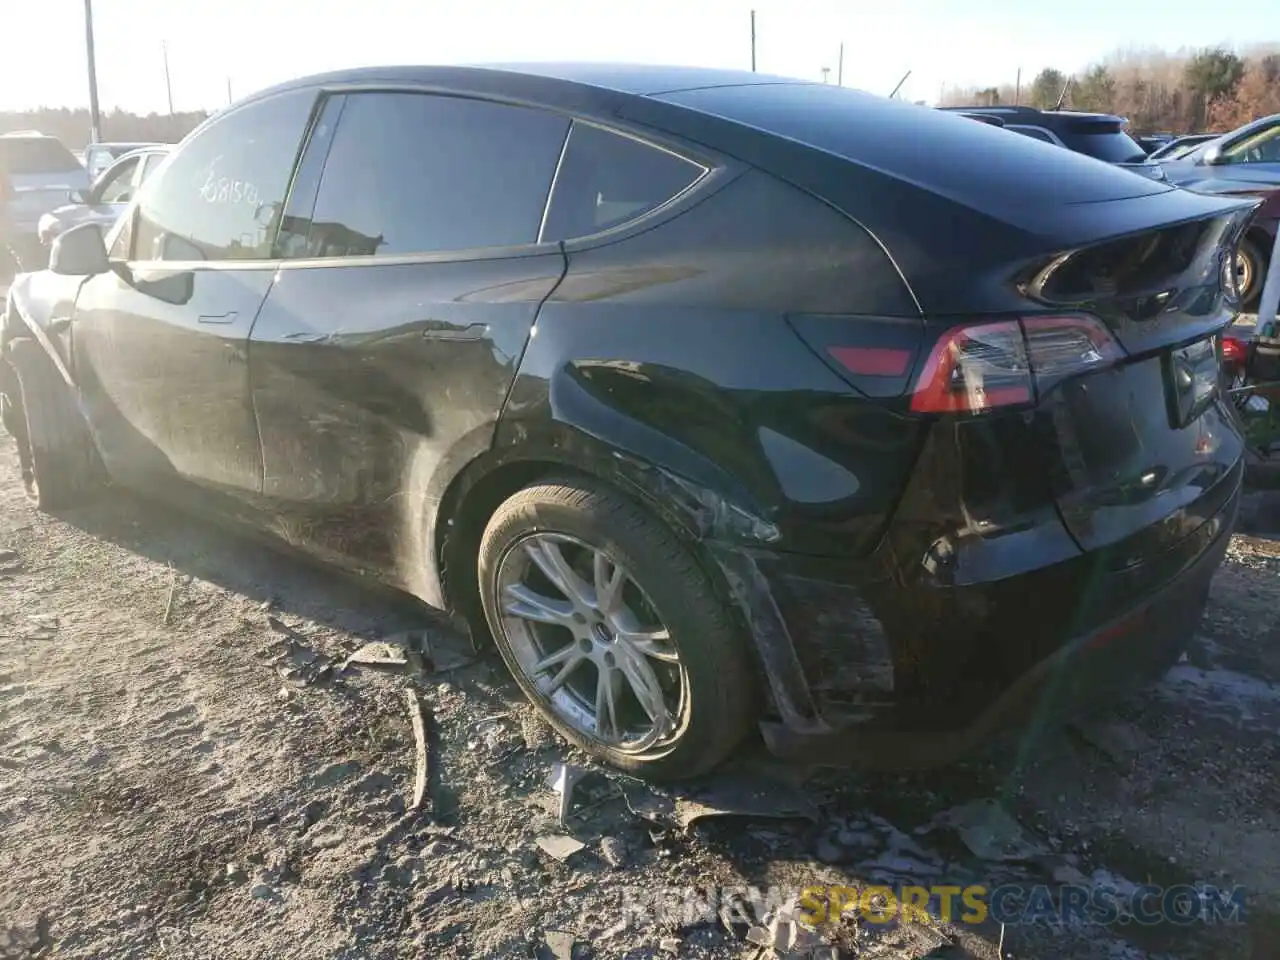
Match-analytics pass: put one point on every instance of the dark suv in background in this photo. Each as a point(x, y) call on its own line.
point(1098, 135)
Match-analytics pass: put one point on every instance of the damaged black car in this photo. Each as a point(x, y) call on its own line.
point(719, 401)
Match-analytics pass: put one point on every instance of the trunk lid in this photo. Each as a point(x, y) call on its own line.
point(1141, 450)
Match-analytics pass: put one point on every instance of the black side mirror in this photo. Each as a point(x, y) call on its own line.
point(79, 252)
point(1212, 155)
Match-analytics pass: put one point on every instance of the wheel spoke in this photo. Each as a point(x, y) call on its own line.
point(546, 554)
point(572, 661)
point(655, 644)
point(609, 578)
point(651, 641)
point(568, 652)
point(528, 604)
point(606, 705)
point(644, 686)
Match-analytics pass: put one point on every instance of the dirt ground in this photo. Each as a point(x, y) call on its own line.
point(186, 771)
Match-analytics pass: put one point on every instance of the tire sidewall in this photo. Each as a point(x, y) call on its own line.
point(1258, 270)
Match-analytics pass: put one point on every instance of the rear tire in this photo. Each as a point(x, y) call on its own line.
point(698, 659)
point(59, 464)
point(1251, 271)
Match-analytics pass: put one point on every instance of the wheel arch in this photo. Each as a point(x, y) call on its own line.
point(22, 320)
point(480, 487)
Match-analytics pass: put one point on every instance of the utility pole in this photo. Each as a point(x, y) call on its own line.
point(1017, 89)
point(230, 99)
point(753, 41)
point(900, 83)
point(826, 72)
point(840, 67)
point(95, 118)
point(168, 87)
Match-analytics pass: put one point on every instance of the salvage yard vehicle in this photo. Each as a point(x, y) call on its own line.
point(99, 156)
point(1181, 146)
point(1098, 135)
point(41, 172)
point(1242, 163)
point(652, 374)
point(107, 198)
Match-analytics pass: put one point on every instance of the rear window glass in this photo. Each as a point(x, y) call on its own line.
point(1035, 133)
point(932, 149)
point(26, 155)
point(1106, 143)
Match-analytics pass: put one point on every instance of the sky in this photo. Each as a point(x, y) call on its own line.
point(251, 44)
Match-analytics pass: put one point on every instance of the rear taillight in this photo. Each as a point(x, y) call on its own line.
point(1234, 352)
point(979, 367)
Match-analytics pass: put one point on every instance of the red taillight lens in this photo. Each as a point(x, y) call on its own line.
point(1234, 352)
point(975, 368)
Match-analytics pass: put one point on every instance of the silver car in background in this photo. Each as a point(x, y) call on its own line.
point(38, 174)
point(108, 196)
point(99, 156)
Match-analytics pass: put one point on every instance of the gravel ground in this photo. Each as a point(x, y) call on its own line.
point(187, 771)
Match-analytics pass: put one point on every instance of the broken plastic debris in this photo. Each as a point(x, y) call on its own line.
point(442, 650)
point(559, 846)
point(564, 778)
point(419, 721)
point(746, 793)
point(560, 944)
point(376, 654)
point(989, 832)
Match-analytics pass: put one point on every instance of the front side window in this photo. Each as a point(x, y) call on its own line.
point(1261, 147)
point(411, 173)
point(117, 183)
point(220, 197)
point(149, 165)
point(606, 179)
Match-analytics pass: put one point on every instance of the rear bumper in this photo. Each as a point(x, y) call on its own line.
point(1147, 624)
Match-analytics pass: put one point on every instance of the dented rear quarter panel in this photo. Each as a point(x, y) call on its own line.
point(669, 347)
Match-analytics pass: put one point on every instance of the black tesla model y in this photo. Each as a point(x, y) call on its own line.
point(720, 401)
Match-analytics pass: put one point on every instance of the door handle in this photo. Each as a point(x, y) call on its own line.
point(219, 317)
point(438, 330)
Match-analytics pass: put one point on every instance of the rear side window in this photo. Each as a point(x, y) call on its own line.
point(606, 179)
point(29, 155)
point(415, 173)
